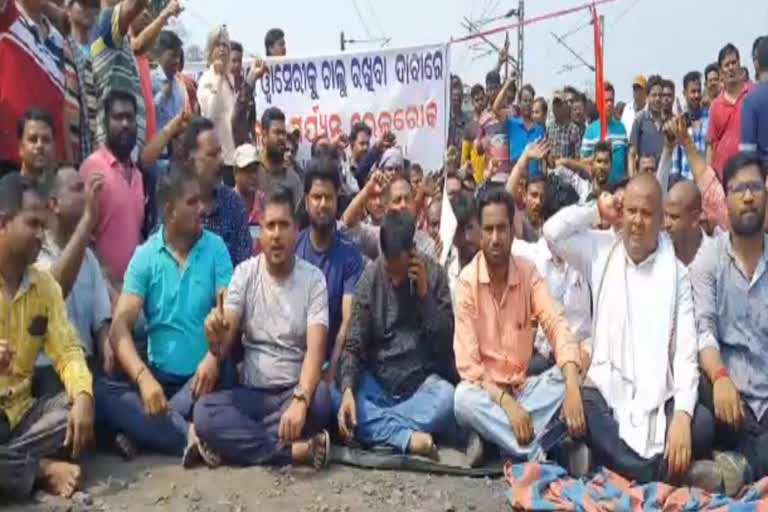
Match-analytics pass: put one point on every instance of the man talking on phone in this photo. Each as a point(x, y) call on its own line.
point(393, 385)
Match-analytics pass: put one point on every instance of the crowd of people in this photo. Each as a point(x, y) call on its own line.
point(175, 282)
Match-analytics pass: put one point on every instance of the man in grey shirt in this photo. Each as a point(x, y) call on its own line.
point(647, 137)
point(398, 197)
point(66, 256)
point(730, 291)
point(280, 305)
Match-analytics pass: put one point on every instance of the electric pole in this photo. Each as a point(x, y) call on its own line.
point(601, 20)
point(520, 43)
point(343, 41)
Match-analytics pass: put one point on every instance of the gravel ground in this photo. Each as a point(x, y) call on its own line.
point(159, 483)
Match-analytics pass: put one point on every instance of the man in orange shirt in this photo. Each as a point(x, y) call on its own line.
point(500, 299)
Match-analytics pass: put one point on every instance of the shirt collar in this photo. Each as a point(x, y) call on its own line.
point(36, 28)
point(484, 278)
point(763, 260)
point(111, 159)
point(161, 246)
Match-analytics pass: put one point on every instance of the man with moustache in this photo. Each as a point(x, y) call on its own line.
point(730, 290)
point(273, 172)
point(173, 278)
point(36, 145)
point(640, 392)
point(325, 247)
point(698, 117)
point(121, 203)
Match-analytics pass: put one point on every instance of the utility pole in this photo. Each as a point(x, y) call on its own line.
point(342, 41)
point(601, 20)
point(520, 43)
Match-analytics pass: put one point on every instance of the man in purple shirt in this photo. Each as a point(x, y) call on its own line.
point(323, 246)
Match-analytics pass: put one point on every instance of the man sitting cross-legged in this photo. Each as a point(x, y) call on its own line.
point(173, 278)
point(34, 321)
point(640, 395)
point(279, 302)
point(392, 387)
point(499, 300)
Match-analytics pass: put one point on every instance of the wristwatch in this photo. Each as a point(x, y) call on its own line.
point(300, 395)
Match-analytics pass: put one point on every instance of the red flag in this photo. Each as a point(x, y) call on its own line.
point(599, 78)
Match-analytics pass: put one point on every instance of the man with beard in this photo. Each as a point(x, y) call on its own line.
point(725, 111)
point(498, 298)
point(36, 146)
point(322, 245)
point(277, 306)
point(121, 203)
point(730, 290)
point(698, 117)
point(393, 384)
point(273, 171)
point(32, 431)
point(224, 213)
point(534, 185)
point(599, 168)
point(152, 406)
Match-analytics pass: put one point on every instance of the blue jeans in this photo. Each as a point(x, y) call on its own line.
point(119, 407)
point(387, 420)
point(541, 396)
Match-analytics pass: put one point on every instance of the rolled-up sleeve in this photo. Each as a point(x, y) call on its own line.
point(465, 343)
point(703, 284)
point(550, 316)
point(685, 367)
point(62, 347)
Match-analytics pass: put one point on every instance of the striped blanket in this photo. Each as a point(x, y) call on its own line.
point(548, 487)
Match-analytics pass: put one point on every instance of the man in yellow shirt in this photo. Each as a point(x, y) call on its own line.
point(33, 317)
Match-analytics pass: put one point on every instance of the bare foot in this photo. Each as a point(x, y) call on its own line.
point(59, 478)
point(422, 444)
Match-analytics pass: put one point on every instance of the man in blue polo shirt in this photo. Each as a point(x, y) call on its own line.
point(322, 245)
point(523, 130)
point(174, 278)
point(754, 111)
point(617, 136)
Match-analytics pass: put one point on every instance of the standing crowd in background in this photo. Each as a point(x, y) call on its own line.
point(175, 282)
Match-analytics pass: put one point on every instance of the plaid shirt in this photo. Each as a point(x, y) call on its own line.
point(565, 139)
point(680, 163)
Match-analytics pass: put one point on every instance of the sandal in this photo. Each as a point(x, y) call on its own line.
point(320, 448)
point(125, 447)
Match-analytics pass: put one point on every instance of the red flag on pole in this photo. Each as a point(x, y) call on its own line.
point(599, 78)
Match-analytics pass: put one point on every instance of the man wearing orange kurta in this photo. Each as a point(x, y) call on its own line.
point(500, 299)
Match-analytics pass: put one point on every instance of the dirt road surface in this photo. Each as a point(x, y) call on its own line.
point(151, 483)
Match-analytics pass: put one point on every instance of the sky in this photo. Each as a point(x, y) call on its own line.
point(668, 37)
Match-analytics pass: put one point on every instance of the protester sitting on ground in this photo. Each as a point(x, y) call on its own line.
point(494, 343)
point(640, 395)
point(598, 171)
point(223, 212)
point(398, 195)
point(275, 415)
point(65, 254)
point(37, 153)
point(33, 432)
point(375, 153)
point(121, 205)
point(152, 406)
point(682, 222)
point(730, 293)
point(566, 285)
point(466, 240)
point(393, 386)
point(324, 246)
point(247, 160)
point(273, 172)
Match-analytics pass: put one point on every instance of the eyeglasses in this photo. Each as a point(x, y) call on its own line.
point(755, 187)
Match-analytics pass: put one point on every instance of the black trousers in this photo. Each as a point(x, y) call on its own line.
point(612, 452)
point(751, 440)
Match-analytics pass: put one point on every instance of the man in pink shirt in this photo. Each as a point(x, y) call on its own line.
point(500, 299)
point(725, 111)
point(121, 204)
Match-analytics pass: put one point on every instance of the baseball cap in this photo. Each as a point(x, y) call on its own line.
point(639, 81)
point(245, 155)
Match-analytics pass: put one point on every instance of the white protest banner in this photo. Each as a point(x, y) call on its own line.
point(402, 90)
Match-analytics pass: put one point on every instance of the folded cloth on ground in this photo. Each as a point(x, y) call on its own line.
point(536, 486)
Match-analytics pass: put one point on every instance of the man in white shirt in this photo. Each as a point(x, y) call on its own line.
point(682, 221)
point(641, 390)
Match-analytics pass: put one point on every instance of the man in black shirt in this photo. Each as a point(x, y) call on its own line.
point(393, 380)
